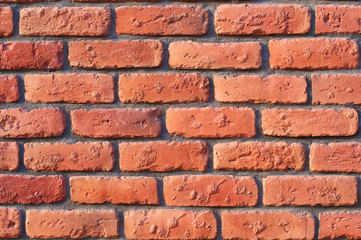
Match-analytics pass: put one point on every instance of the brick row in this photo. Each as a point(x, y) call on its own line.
point(180, 224)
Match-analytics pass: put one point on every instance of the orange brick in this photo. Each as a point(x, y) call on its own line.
point(6, 21)
point(340, 225)
point(210, 190)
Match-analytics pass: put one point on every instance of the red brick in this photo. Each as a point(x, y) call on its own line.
point(211, 122)
point(340, 225)
point(9, 88)
point(264, 156)
point(30, 55)
point(157, 20)
point(309, 122)
point(116, 123)
point(337, 19)
point(115, 0)
point(154, 156)
point(69, 88)
point(9, 156)
point(310, 190)
point(267, 225)
point(169, 224)
point(193, 55)
point(10, 223)
point(20, 123)
point(336, 89)
point(335, 157)
point(72, 224)
point(313, 53)
point(67, 21)
point(27, 189)
point(110, 54)
point(210, 190)
point(117, 190)
point(258, 89)
point(163, 88)
point(261, 19)
point(91, 156)
point(6, 21)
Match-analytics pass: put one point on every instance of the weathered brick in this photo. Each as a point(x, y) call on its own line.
point(20, 1)
point(9, 156)
point(169, 224)
point(264, 156)
point(267, 225)
point(211, 122)
point(313, 53)
point(309, 122)
point(310, 190)
point(66, 21)
point(6, 21)
point(335, 157)
point(91, 156)
point(69, 88)
point(262, 19)
point(10, 223)
point(116, 123)
point(117, 190)
point(336, 89)
point(27, 189)
point(31, 55)
point(163, 88)
point(72, 223)
point(20, 123)
point(210, 190)
point(258, 89)
point(115, 0)
point(193, 55)
point(340, 225)
point(9, 88)
point(337, 19)
point(110, 54)
point(155, 156)
point(157, 20)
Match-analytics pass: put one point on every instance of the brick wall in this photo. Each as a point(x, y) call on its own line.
point(180, 119)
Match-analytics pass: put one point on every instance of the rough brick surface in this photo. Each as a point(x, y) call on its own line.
point(9, 156)
point(117, 190)
point(169, 224)
point(20, 123)
point(259, 156)
point(6, 21)
point(211, 122)
point(31, 189)
point(336, 89)
point(163, 156)
point(257, 19)
point(69, 88)
point(72, 224)
point(30, 55)
point(267, 225)
point(10, 223)
point(312, 53)
point(67, 21)
point(116, 123)
point(340, 225)
point(9, 88)
point(156, 20)
point(258, 89)
point(210, 190)
point(310, 190)
point(335, 157)
point(92, 156)
point(309, 123)
point(337, 19)
point(109, 54)
point(163, 88)
point(194, 55)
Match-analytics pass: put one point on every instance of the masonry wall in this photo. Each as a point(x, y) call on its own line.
point(180, 119)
